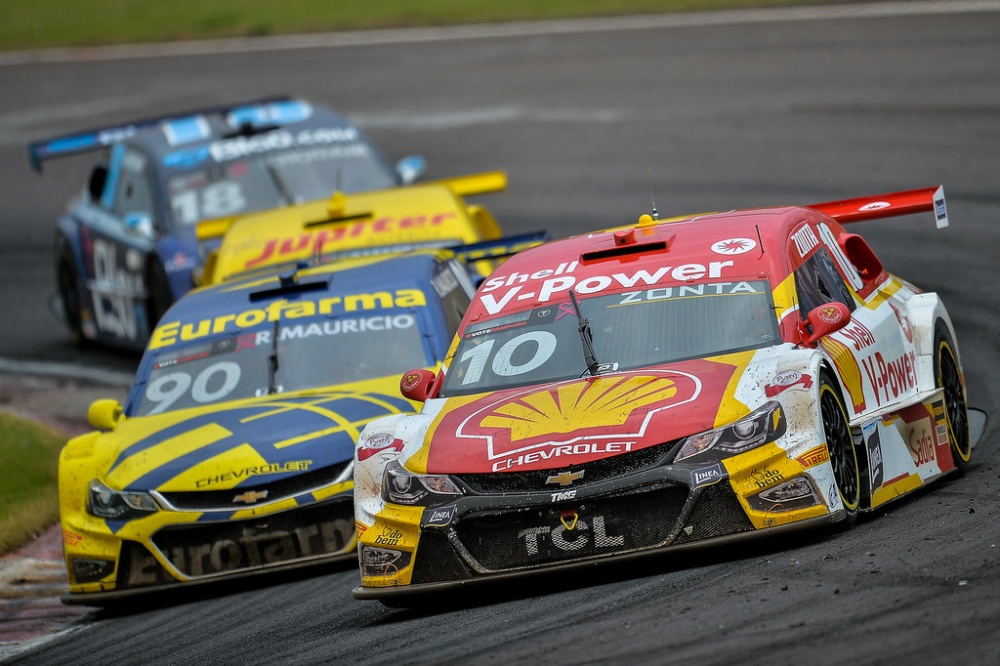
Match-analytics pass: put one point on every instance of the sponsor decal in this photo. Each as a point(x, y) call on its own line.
point(940, 423)
point(940, 209)
point(377, 444)
point(547, 289)
point(576, 417)
point(874, 205)
point(259, 470)
point(764, 478)
point(873, 447)
point(919, 437)
point(171, 332)
point(71, 538)
point(388, 537)
point(787, 380)
point(307, 244)
point(890, 379)
point(904, 323)
point(860, 336)
point(684, 291)
point(830, 314)
point(814, 456)
point(410, 381)
point(805, 240)
point(179, 262)
point(847, 368)
point(706, 476)
point(565, 478)
point(846, 267)
point(255, 548)
point(113, 289)
point(250, 497)
point(563, 495)
point(444, 283)
point(439, 517)
point(597, 537)
point(734, 246)
point(360, 527)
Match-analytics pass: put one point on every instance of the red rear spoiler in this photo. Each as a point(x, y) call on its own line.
point(888, 205)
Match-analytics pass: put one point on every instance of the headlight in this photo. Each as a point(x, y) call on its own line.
point(400, 486)
point(759, 427)
point(107, 503)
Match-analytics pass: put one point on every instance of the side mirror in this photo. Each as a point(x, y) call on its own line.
point(95, 185)
point(104, 414)
point(822, 321)
point(410, 168)
point(416, 384)
point(140, 224)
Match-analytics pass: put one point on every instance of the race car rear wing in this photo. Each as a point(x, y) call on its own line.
point(888, 205)
point(469, 253)
point(95, 139)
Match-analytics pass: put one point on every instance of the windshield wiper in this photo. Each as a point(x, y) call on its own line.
point(586, 337)
point(272, 363)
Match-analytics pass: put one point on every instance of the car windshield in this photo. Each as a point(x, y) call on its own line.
point(631, 329)
point(310, 353)
point(275, 179)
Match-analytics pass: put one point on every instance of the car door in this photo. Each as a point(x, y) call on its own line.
point(119, 237)
point(875, 353)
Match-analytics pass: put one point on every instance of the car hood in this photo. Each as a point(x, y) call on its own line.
point(576, 421)
point(242, 443)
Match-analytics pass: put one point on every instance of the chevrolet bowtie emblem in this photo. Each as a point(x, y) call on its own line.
point(565, 478)
point(251, 496)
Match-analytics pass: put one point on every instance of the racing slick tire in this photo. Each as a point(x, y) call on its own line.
point(843, 456)
point(159, 295)
point(69, 293)
point(947, 376)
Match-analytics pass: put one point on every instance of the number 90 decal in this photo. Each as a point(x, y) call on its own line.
point(502, 366)
point(164, 391)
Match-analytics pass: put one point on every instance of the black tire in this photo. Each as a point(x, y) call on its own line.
point(159, 294)
point(69, 293)
point(843, 456)
point(947, 376)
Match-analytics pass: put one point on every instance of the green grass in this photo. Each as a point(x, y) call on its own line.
point(47, 23)
point(29, 462)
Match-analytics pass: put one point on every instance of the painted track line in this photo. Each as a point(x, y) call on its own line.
point(66, 371)
point(497, 30)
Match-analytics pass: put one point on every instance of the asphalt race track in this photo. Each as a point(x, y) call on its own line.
point(587, 123)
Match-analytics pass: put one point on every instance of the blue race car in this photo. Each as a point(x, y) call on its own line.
point(126, 247)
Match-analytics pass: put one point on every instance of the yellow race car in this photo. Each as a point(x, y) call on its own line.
point(428, 215)
point(233, 453)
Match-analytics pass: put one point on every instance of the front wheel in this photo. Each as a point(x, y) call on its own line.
point(843, 457)
point(948, 377)
point(69, 293)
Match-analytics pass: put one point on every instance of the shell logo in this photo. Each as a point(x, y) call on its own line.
point(847, 367)
point(602, 408)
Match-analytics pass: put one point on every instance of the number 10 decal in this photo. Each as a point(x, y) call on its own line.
point(545, 346)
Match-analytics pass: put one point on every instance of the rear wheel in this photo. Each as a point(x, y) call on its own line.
point(843, 457)
point(947, 376)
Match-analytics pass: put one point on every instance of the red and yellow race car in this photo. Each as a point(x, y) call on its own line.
point(664, 386)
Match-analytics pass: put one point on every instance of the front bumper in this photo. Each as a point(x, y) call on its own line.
point(189, 553)
point(504, 534)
